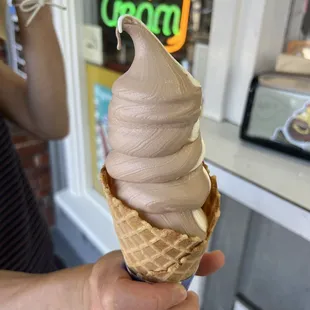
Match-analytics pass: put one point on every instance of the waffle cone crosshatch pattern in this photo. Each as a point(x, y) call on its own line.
point(158, 255)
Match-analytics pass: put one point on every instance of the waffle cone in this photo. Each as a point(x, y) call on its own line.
point(158, 255)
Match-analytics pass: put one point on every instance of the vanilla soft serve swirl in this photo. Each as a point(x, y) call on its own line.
point(157, 151)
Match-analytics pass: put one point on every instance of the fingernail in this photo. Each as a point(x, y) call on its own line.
point(179, 293)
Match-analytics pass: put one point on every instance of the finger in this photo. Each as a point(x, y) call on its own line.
point(115, 263)
point(130, 295)
point(210, 263)
point(191, 303)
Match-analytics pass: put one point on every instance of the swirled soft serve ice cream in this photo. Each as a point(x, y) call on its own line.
point(163, 202)
point(157, 150)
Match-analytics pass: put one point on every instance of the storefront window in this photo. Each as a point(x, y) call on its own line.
point(183, 26)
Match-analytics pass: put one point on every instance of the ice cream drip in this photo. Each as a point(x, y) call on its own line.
point(157, 150)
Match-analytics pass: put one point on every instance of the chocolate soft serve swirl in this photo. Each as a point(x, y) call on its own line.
point(157, 150)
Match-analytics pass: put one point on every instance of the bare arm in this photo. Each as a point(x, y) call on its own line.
point(38, 104)
point(61, 290)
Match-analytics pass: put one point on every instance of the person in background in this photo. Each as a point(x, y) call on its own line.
point(30, 277)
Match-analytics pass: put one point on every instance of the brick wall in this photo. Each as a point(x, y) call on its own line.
point(35, 160)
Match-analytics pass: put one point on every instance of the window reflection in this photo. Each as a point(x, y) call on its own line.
point(179, 25)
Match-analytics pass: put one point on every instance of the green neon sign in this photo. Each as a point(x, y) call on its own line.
point(169, 13)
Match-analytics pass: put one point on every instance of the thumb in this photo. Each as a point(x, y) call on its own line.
point(137, 295)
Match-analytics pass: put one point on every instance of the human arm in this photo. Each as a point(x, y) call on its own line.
point(60, 290)
point(38, 104)
point(102, 286)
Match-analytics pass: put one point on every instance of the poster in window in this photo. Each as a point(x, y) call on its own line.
point(100, 81)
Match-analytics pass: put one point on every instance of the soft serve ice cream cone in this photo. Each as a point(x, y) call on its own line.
point(163, 201)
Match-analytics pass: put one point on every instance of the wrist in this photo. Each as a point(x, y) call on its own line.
point(22, 289)
point(69, 288)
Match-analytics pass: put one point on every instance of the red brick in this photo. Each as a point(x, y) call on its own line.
point(47, 207)
point(41, 160)
point(29, 171)
point(46, 202)
point(35, 160)
point(31, 148)
point(34, 184)
point(20, 134)
point(27, 162)
point(40, 181)
point(50, 216)
point(20, 139)
point(44, 181)
point(36, 173)
point(43, 193)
